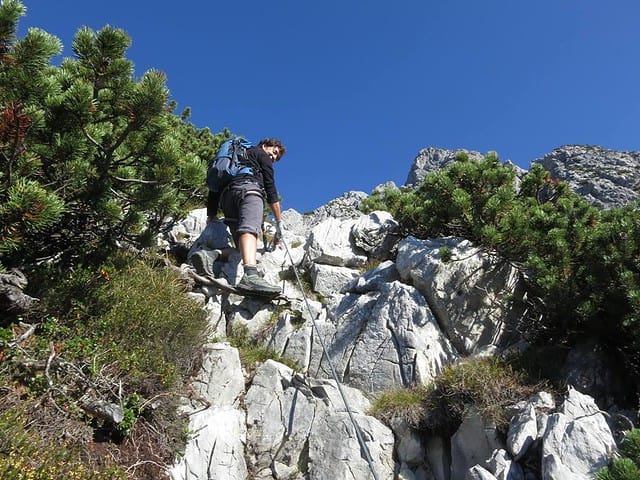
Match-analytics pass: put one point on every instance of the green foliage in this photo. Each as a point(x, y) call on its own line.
point(27, 207)
point(445, 254)
point(579, 264)
point(132, 410)
point(405, 403)
point(625, 467)
point(132, 316)
point(253, 351)
point(148, 304)
point(126, 333)
point(90, 157)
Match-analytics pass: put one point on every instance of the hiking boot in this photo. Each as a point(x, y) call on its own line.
point(256, 284)
point(202, 261)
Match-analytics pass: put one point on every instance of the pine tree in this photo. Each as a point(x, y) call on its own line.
point(115, 161)
point(26, 206)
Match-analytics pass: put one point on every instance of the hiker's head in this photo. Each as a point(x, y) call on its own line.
point(274, 148)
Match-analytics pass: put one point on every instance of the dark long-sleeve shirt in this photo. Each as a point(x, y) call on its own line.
point(262, 166)
point(263, 175)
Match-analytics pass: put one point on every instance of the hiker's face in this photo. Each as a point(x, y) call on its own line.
point(273, 152)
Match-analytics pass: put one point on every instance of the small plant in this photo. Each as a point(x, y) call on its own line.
point(489, 384)
point(405, 403)
point(6, 334)
point(627, 466)
point(132, 410)
point(253, 352)
point(445, 254)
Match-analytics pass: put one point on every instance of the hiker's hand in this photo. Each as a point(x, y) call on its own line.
point(277, 238)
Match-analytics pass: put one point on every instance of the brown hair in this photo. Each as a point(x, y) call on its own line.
point(274, 142)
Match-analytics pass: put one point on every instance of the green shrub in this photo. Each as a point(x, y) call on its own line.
point(127, 333)
point(151, 328)
point(630, 446)
point(128, 313)
point(579, 265)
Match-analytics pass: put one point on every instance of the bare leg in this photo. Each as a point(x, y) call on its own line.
point(248, 247)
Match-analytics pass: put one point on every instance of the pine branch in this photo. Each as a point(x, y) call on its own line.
point(136, 180)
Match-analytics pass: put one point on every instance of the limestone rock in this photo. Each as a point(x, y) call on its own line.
point(330, 243)
point(376, 234)
point(605, 178)
point(472, 444)
point(383, 340)
point(577, 441)
point(216, 448)
point(467, 293)
point(433, 159)
point(301, 425)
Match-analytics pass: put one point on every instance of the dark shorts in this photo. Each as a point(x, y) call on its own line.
point(243, 209)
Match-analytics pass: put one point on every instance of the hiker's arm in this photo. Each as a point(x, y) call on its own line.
point(275, 209)
point(269, 183)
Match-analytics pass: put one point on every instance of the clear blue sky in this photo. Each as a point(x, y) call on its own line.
point(356, 88)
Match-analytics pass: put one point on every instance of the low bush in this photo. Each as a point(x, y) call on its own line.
point(26, 455)
point(125, 334)
point(579, 264)
point(626, 467)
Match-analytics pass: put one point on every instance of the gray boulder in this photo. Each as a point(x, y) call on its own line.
point(300, 428)
point(433, 159)
point(467, 294)
point(577, 441)
point(215, 448)
point(605, 178)
point(383, 340)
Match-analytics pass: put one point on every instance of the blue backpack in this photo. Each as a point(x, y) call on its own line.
point(226, 164)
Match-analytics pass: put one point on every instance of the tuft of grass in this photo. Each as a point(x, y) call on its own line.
point(253, 352)
point(405, 403)
point(488, 384)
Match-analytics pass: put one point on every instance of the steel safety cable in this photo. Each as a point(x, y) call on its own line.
point(359, 436)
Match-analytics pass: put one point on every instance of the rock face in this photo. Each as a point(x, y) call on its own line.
point(373, 325)
point(369, 312)
point(13, 300)
point(606, 178)
point(434, 159)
